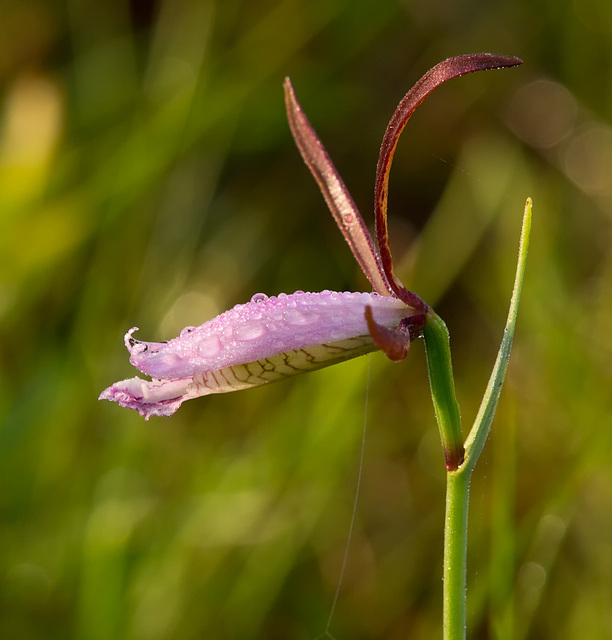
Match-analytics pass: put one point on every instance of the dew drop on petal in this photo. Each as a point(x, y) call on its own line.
point(301, 316)
point(209, 347)
point(250, 331)
point(186, 330)
point(259, 297)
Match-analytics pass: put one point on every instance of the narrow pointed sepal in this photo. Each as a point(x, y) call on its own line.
point(337, 196)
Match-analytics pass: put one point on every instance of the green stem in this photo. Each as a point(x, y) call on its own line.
point(440, 368)
point(455, 554)
point(459, 471)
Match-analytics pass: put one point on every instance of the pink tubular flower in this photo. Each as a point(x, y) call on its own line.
point(268, 339)
point(252, 344)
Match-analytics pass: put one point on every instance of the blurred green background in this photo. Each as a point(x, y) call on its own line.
point(148, 178)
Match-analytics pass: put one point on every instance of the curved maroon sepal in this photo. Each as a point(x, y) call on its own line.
point(450, 68)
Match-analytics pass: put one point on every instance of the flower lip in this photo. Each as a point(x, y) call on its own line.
point(259, 329)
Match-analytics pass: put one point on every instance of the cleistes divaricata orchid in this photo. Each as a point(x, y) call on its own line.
point(271, 338)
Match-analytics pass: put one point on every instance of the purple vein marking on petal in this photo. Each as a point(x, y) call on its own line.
point(334, 191)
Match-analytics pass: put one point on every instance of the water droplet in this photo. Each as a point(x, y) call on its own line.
point(186, 330)
point(209, 347)
point(250, 331)
point(301, 316)
point(259, 297)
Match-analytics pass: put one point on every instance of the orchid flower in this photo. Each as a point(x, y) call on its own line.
point(271, 338)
